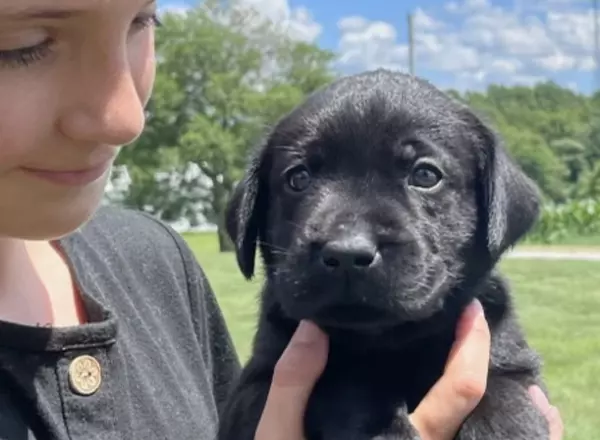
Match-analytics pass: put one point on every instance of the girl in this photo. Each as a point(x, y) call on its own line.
point(108, 327)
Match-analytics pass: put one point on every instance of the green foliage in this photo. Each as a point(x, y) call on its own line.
point(577, 218)
point(225, 74)
point(552, 132)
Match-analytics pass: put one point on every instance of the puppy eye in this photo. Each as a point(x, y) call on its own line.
point(425, 176)
point(298, 178)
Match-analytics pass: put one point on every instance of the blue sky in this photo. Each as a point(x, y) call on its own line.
point(465, 44)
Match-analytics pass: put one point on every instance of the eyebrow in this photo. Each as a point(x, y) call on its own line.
point(48, 13)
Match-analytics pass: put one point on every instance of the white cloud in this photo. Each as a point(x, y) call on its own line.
point(574, 30)
point(466, 6)
point(507, 65)
point(370, 44)
point(475, 41)
point(298, 22)
point(526, 80)
point(445, 53)
point(470, 41)
point(557, 61)
point(587, 63)
point(426, 22)
point(352, 23)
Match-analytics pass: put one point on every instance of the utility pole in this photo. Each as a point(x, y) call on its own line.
point(596, 46)
point(411, 44)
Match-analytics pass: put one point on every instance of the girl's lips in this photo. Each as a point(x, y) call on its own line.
point(79, 177)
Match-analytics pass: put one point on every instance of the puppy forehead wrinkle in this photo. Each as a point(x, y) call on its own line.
point(288, 152)
point(375, 110)
point(438, 145)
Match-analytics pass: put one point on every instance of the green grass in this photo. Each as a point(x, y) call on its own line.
point(207, 243)
point(237, 297)
point(593, 240)
point(576, 242)
point(558, 303)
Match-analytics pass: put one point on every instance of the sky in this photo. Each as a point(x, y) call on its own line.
point(463, 44)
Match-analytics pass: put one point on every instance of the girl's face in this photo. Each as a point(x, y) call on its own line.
point(74, 79)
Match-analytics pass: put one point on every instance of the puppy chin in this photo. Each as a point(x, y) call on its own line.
point(371, 304)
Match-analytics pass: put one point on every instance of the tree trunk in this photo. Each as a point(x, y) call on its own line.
point(225, 244)
point(220, 194)
point(219, 203)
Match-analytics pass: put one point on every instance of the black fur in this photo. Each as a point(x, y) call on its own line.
point(391, 323)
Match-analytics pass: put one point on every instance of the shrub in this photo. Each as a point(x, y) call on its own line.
point(558, 221)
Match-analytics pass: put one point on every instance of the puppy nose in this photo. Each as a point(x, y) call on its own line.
point(355, 252)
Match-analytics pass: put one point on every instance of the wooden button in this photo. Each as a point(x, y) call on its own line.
point(85, 375)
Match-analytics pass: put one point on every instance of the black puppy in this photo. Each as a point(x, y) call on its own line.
point(381, 207)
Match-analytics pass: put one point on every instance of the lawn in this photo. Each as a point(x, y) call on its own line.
point(558, 303)
point(574, 243)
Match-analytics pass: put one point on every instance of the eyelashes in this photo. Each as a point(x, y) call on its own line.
point(26, 56)
point(145, 21)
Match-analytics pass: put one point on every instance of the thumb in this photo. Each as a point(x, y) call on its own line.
point(461, 387)
point(294, 377)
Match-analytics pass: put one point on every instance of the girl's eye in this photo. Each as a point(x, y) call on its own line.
point(25, 56)
point(144, 21)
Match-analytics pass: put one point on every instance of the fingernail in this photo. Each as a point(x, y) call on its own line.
point(475, 309)
point(307, 333)
point(469, 319)
point(539, 398)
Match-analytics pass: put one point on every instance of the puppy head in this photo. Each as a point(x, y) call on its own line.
point(375, 200)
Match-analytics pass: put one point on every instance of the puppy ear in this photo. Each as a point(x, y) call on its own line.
point(511, 200)
point(245, 214)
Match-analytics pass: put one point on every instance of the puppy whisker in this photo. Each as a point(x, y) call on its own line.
point(295, 224)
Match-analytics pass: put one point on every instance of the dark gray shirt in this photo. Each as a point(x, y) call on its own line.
point(155, 360)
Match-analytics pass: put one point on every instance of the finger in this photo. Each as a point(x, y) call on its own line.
point(555, 422)
point(443, 410)
point(294, 377)
point(550, 412)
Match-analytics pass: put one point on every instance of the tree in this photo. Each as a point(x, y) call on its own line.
point(545, 128)
point(589, 187)
point(573, 154)
point(224, 73)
